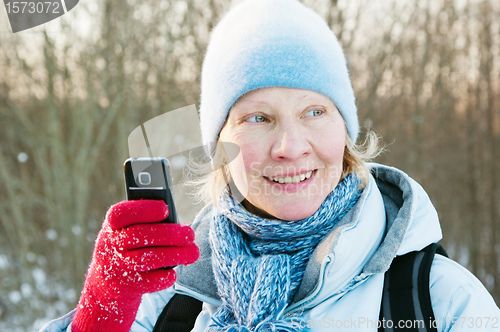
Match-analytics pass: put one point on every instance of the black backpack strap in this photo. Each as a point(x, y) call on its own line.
point(406, 299)
point(179, 314)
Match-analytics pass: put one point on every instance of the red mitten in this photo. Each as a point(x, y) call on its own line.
point(129, 251)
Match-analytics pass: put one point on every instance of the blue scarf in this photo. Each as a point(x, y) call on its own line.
point(259, 263)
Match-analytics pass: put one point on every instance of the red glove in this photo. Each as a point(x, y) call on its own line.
point(130, 248)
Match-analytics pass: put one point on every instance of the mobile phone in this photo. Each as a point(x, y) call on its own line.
point(150, 178)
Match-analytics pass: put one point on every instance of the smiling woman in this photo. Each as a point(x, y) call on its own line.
point(298, 227)
point(286, 153)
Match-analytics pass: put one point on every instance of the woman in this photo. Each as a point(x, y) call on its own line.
point(300, 228)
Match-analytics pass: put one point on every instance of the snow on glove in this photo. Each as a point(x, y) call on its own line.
point(130, 251)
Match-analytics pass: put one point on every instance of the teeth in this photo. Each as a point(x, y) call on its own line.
point(292, 179)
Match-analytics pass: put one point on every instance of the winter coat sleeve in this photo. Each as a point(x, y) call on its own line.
point(459, 300)
point(149, 310)
point(60, 324)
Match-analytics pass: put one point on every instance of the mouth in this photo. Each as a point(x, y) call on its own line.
point(291, 179)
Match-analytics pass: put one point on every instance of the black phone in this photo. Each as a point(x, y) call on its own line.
point(150, 178)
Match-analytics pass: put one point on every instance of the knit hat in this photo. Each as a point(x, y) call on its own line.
point(267, 43)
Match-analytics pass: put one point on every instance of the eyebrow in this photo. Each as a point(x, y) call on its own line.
point(258, 102)
point(263, 102)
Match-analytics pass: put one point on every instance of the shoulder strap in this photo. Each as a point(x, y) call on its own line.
point(179, 314)
point(406, 301)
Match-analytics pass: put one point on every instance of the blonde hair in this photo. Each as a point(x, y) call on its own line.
point(209, 177)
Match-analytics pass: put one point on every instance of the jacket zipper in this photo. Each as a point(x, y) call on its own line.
point(302, 304)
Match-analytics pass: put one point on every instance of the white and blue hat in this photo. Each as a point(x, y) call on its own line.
point(266, 43)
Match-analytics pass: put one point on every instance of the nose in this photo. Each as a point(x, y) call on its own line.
point(290, 144)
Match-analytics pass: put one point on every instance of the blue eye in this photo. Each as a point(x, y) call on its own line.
point(257, 118)
point(314, 113)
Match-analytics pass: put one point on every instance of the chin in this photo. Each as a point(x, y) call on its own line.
point(294, 213)
point(289, 211)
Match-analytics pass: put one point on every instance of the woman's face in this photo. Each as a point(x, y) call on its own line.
point(292, 146)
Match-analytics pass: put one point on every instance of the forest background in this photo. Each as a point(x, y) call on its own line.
point(425, 74)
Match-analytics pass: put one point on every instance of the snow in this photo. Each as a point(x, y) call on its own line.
point(15, 297)
point(26, 290)
point(51, 234)
point(39, 277)
point(4, 262)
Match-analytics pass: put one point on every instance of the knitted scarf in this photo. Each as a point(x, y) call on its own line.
point(259, 263)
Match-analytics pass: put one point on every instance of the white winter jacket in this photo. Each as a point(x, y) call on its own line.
point(343, 282)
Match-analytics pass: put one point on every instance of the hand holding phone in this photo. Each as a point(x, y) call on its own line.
point(138, 239)
point(130, 251)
